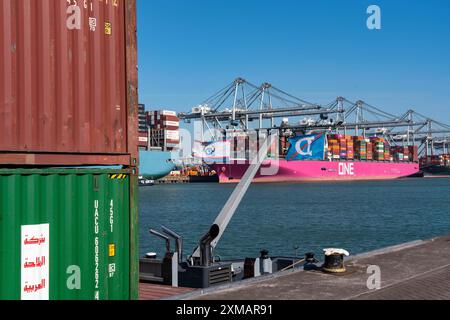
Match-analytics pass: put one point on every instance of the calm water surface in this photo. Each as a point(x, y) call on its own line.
point(358, 216)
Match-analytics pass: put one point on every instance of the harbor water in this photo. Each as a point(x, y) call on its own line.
point(357, 216)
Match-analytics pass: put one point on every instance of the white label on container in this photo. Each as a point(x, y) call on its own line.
point(172, 135)
point(167, 113)
point(35, 262)
point(171, 124)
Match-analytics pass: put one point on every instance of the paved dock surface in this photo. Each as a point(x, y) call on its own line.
point(158, 292)
point(415, 271)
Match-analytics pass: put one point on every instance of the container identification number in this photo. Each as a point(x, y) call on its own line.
point(96, 250)
point(111, 216)
point(89, 4)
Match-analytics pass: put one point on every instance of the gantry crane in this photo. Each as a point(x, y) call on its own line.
point(240, 104)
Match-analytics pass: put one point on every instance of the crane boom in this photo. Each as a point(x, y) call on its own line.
point(227, 212)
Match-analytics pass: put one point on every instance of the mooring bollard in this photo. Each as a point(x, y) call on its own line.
point(334, 260)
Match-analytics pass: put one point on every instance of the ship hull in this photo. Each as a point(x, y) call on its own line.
point(155, 164)
point(300, 171)
point(204, 179)
point(436, 170)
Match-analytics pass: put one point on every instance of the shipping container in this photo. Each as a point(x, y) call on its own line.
point(168, 124)
point(160, 120)
point(68, 234)
point(143, 124)
point(414, 152)
point(168, 118)
point(143, 139)
point(68, 82)
point(167, 113)
point(172, 135)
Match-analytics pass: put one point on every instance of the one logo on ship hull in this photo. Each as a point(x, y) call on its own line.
point(346, 169)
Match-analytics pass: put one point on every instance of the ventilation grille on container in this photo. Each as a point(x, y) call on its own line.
point(220, 275)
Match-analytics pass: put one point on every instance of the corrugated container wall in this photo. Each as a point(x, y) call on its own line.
point(67, 234)
point(68, 81)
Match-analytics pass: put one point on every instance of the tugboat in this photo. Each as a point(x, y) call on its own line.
point(201, 174)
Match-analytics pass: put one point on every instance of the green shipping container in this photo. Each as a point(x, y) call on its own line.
point(68, 234)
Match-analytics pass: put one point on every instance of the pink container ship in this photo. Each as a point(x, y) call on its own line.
point(303, 170)
point(318, 157)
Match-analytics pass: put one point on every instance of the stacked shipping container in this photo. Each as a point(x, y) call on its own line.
point(68, 98)
point(350, 148)
point(245, 146)
point(81, 218)
point(68, 91)
point(414, 153)
point(436, 160)
point(361, 148)
point(334, 147)
point(387, 152)
point(339, 147)
point(378, 151)
point(161, 130)
point(165, 127)
point(142, 118)
point(143, 127)
point(345, 147)
point(163, 120)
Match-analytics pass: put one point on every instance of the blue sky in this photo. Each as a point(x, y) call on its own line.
point(316, 50)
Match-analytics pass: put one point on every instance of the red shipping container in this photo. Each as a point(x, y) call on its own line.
point(169, 118)
point(68, 83)
point(163, 113)
point(168, 125)
point(143, 139)
point(414, 151)
point(406, 155)
point(160, 127)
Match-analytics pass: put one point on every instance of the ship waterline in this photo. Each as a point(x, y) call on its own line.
point(299, 171)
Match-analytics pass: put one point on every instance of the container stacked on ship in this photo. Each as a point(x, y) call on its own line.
point(318, 157)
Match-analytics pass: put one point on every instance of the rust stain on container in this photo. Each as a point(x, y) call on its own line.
point(68, 78)
point(132, 80)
